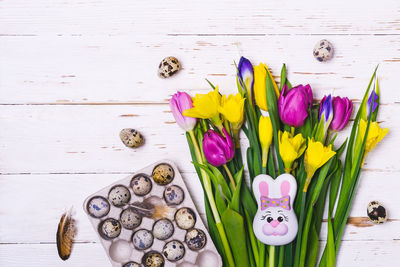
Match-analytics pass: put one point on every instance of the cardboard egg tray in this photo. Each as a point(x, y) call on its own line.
point(121, 256)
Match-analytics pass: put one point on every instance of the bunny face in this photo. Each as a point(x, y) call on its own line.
point(275, 222)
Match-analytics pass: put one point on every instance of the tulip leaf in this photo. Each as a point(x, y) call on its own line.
point(250, 164)
point(212, 86)
point(236, 195)
point(225, 191)
point(221, 181)
point(235, 230)
point(283, 78)
point(312, 250)
point(248, 201)
point(219, 201)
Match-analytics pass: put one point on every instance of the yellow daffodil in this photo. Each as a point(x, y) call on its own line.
point(316, 155)
point(260, 93)
point(205, 106)
point(232, 108)
point(265, 134)
point(375, 135)
point(290, 148)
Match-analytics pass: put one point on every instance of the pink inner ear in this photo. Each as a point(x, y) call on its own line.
point(263, 186)
point(285, 188)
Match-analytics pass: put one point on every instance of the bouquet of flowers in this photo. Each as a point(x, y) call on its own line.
point(287, 133)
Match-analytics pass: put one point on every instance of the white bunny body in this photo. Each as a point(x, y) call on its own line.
point(275, 222)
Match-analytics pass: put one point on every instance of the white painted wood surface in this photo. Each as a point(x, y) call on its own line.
point(73, 73)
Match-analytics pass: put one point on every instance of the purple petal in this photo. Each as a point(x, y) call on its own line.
point(372, 100)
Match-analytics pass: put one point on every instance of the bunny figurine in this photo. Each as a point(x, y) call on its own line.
point(275, 222)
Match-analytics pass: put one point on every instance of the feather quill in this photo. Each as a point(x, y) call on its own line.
point(65, 235)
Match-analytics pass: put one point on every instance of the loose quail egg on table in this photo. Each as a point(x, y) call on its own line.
point(173, 195)
point(142, 239)
point(163, 229)
point(141, 184)
point(129, 219)
point(168, 67)
point(98, 207)
point(163, 174)
point(323, 50)
point(153, 259)
point(119, 195)
point(376, 212)
point(185, 218)
point(110, 228)
point(174, 250)
point(207, 258)
point(131, 138)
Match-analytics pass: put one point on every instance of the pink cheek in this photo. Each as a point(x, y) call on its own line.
point(267, 229)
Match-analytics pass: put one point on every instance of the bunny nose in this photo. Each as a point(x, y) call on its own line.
point(274, 223)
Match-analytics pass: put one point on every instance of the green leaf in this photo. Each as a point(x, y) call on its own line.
point(235, 231)
point(313, 246)
point(225, 192)
point(236, 195)
point(283, 78)
point(248, 201)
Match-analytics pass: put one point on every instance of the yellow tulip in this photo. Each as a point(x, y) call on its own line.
point(232, 108)
point(316, 155)
point(260, 93)
point(205, 106)
point(375, 135)
point(290, 148)
point(265, 134)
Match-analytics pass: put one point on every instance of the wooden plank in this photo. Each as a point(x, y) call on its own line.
point(44, 17)
point(358, 253)
point(85, 139)
point(123, 69)
point(34, 204)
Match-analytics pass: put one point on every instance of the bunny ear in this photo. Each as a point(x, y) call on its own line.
point(285, 188)
point(263, 187)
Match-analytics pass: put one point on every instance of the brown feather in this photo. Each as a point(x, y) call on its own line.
point(153, 207)
point(65, 235)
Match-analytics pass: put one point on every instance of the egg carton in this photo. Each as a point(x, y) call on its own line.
point(133, 240)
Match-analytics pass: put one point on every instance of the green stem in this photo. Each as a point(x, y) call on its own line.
point(210, 196)
point(281, 255)
point(261, 258)
point(300, 232)
point(253, 240)
point(271, 256)
point(230, 176)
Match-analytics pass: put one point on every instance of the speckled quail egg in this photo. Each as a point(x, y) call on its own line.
point(323, 50)
point(141, 184)
point(119, 195)
point(98, 207)
point(163, 174)
point(173, 195)
point(153, 259)
point(163, 229)
point(376, 212)
point(195, 239)
point(120, 250)
point(168, 67)
point(207, 258)
point(110, 228)
point(131, 138)
point(185, 218)
point(142, 239)
point(129, 219)
point(131, 264)
point(174, 250)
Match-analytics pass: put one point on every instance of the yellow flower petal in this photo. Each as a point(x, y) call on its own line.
point(375, 134)
point(290, 148)
point(260, 94)
point(232, 108)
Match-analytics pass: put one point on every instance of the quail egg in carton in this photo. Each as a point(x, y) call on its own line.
point(149, 219)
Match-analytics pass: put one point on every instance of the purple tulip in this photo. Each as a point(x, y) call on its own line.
point(218, 150)
point(342, 108)
point(246, 76)
point(294, 104)
point(178, 103)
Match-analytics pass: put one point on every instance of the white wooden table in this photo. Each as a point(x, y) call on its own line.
point(74, 73)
